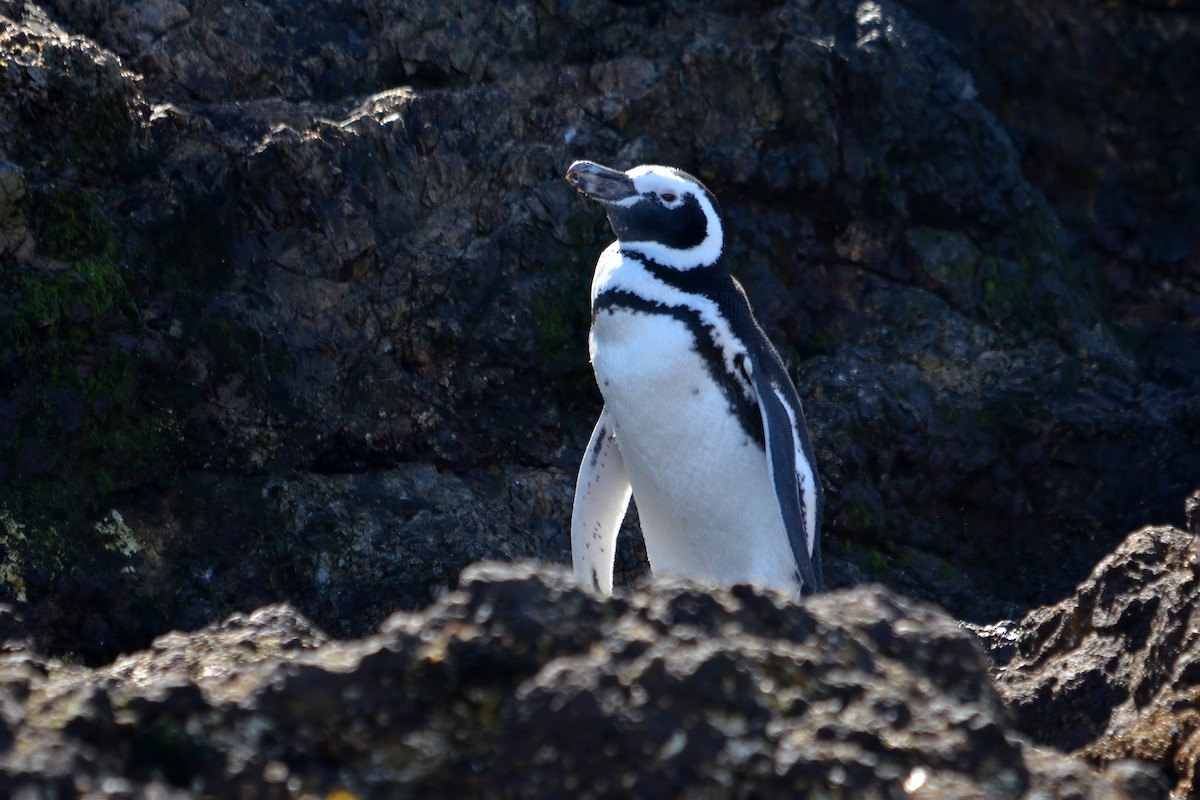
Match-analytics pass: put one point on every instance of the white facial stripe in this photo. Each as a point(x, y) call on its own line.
point(660, 181)
point(703, 254)
point(616, 272)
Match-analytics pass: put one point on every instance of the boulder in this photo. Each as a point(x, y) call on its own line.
point(1104, 135)
point(521, 685)
point(1113, 672)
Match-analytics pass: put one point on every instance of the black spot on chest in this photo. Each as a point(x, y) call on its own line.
point(599, 442)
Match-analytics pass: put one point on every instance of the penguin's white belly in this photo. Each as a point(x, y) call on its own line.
point(703, 492)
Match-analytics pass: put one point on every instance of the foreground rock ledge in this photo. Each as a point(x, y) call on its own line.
point(519, 684)
point(1114, 670)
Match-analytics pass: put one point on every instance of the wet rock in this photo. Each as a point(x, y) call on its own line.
point(521, 685)
point(1113, 672)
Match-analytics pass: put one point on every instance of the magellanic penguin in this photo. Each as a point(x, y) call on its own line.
point(701, 421)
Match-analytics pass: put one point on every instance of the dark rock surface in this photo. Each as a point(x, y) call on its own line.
point(520, 685)
point(1113, 671)
point(1106, 132)
point(279, 256)
point(293, 309)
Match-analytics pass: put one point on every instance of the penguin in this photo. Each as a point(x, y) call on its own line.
point(701, 423)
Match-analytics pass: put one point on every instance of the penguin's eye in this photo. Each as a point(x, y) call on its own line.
point(669, 197)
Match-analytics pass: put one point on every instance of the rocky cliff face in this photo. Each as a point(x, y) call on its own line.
point(293, 304)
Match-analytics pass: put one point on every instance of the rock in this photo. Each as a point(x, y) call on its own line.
point(16, 242)
point(13, 633)
point(521, 685)
point(1105, 137)
point(293, 308)
point(345, 250)
point(1113, 672)
point(48, 76)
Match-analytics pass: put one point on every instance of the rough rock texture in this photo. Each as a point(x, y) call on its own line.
point(1108, 135)
point(1113, 672)
point(520, 685)
point(293, 308)
point(256, 257)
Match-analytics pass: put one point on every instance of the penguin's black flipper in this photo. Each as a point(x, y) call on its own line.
point(790, 463)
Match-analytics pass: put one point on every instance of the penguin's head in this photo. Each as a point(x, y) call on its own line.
point(662, 212)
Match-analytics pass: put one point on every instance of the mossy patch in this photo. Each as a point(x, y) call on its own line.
point(80, 421)
point(560, 318)
point(68, 223)
point(1034, 282)
point(1031, 285)
point(559, 311)
point(949, 262)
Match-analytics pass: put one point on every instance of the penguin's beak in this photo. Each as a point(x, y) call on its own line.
point(599, 182)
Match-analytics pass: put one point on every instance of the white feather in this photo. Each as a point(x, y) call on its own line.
point(614, 271)
point(702, 487)
point(601, 499)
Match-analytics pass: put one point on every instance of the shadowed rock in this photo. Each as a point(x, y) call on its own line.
point(1114, 671)
point(520, 685)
